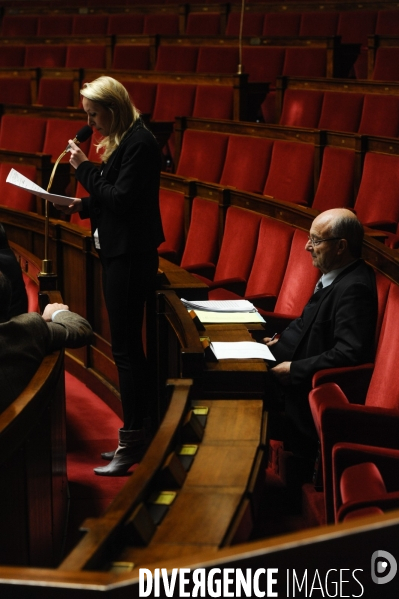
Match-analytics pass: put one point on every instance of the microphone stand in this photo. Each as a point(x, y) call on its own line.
point(240, 67)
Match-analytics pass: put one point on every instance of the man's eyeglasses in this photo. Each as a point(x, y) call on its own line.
point(315, 242)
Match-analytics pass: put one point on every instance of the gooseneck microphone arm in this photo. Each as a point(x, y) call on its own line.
point(82, 135)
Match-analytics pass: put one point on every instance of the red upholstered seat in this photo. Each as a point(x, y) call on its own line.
point(301, 108)
point(387, 22)
point(172, 214)
point(247, 163)
point(339, 166)
point(202, 244)
point(55, 92)
point(125, 24)
point(252, 23)
point(58, 132)
point(368, 414)
point(341, 111)
point(90, 24)
point(204, 23)
point(162, 24)
point(214, 102)
point(173, 100)
point(15, 90)
point(291, 171)
point(305, 62)
point(377, 202)
point(380, 115)
point(142, 93)
point(89, 56)
point(217, 59)
point(18, 25)
point(24, 134)
point(133, 57)
point(176, 59)
point(386, 65)
point(354, 26)
point(318, 23)
point(281, 24)
point(237, 250)
point(364, 477)
point(38, 55)
point(31, 292)
point(13, 196)
point(263, 64)
point(298, 284)
point(54, 25)
point(12, 56)
point(202, 155)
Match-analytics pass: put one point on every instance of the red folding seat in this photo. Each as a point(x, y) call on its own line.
point(54, 25)
point(202, 155)
point(354, 26)
point(18, 25)
point(171, 205)
point(15, 90)
point(172, 100)
point(335, 188)
point(365, 480)
point(247, 163)
point(387, 22)
point(88, 56)
point(142, 93)
point(297, 286)
point(204, 23)
point(386, 65)
point(131, 57)
point(22, 133)
point(305, 62)
point(13, 196)
point(377, 202)
point(58, 132)
point(301, 108)
point(201, 248)
point(38, 55)
point(214, 102)
point(252, 23)
point(237, 250)
point(174, 58)
point(263, 64)
point(90, 24)
point(341, 111)
point(55, 92)
point(318, 24)
point(291, 172)
point(12, 56)
point(380, 116)
point(369, 414)
point(125, 24)
point(161, 24)
point(281, 24)
point(217, 59)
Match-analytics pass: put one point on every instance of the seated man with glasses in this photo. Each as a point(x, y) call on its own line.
point(336, 327)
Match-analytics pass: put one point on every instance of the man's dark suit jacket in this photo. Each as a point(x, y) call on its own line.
point(124, 199)
point(336, 328)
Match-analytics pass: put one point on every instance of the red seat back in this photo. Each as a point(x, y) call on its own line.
point(90, 24)
point(55, 92)
point(142, 93)
point(263, 64)
point(217, 59)
point(386, 65)
point(176, 59)
point(202, 155)
point(120, 24)
point(89, 56)
point(13, 196)
point(54, 25)
point(12, 56)
point(131, 57)
point(37, 55)
point(252, 23)
point(58, 132)
point(301, 108)
point(202, 243)
point(318, 23)
point(173, 100)
point(24, 134)
point(341, 111)
point(161, 24)
point(214, 102)
point(171, 205)
point(204, 23)
point(305, 62)
point(339, 166)
point(253, 155)
point(281, 24)
point(380, 115)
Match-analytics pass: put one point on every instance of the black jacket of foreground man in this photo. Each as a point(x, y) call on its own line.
point(124, 195)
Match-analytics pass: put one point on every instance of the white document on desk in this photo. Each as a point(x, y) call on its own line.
point(15, 178)
point(229, 317)
point(221, 305)
point(241, 350)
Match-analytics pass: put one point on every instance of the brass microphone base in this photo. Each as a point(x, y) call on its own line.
point(47, 268)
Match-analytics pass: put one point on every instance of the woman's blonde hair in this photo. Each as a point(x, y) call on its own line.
point(114, 97)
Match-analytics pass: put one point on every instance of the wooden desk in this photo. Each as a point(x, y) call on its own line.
point(184, 284)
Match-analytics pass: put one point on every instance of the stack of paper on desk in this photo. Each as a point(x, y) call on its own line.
point(224, 311)
point(224, 350)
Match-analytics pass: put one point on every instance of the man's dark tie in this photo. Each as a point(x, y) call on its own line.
point(319, 285)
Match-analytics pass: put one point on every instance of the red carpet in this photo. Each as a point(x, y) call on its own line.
point(92, 427)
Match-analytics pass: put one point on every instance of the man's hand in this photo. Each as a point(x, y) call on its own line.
point(269, 341)
point(282, 373)
point(50, 309)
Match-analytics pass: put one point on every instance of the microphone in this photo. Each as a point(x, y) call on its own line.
point(82, 135)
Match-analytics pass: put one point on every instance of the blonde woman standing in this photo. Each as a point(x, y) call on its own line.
point(123, 206)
